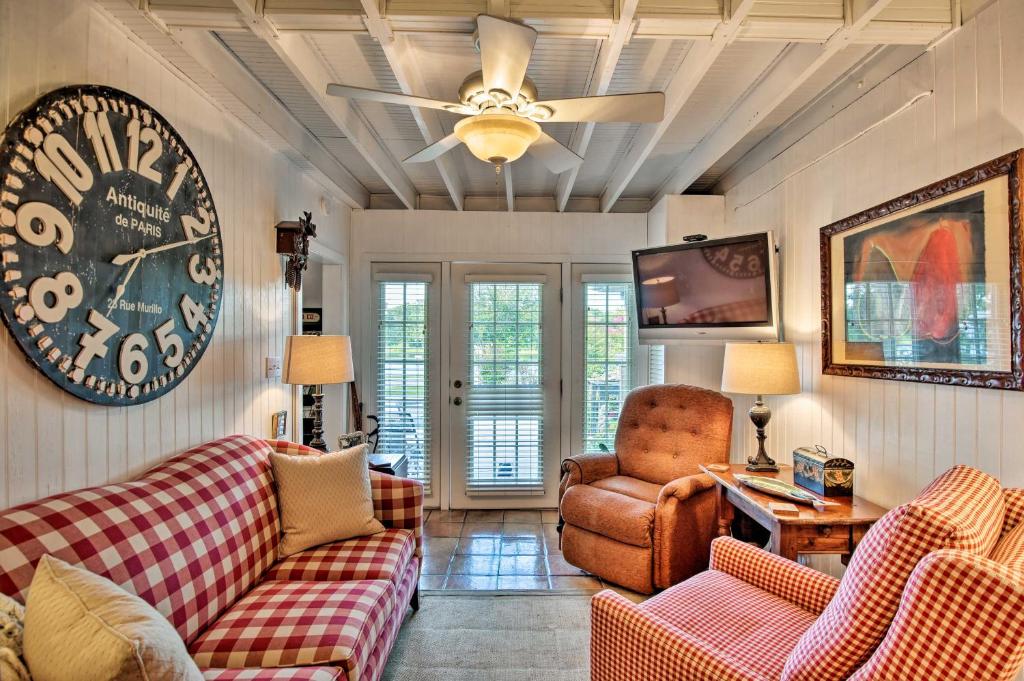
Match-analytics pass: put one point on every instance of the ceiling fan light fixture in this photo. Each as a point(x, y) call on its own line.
point(497, 138)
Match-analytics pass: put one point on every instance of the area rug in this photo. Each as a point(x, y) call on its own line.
point(494, 638)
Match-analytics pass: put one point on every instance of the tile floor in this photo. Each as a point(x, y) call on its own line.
point(498, 550)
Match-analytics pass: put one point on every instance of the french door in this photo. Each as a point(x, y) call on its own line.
point(504, 385)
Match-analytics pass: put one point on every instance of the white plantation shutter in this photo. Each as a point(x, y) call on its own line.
point(609, 352)
point(655, 364)
point(504, 396)
point(403, 353)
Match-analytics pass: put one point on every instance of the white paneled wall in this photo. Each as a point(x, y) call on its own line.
point(50, 441)
point(899, 434)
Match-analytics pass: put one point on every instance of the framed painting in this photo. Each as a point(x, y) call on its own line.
point(927, 287)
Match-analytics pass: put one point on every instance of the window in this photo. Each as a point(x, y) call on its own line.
point(609, 353)
point(505, 396)
point(403, 372)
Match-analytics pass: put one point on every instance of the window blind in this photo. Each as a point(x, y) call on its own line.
point(504, 388)
point(402, 373)
point(608, 362)
point(655, 364)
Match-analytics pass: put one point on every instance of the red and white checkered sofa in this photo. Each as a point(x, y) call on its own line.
point(932, 592)
point(197, 538)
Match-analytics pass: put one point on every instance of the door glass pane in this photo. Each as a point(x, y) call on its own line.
point(608, 366)
point(402, 391)
point(504, 396)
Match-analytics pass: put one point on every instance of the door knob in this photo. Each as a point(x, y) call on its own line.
point(457, 401)
point(458, 383)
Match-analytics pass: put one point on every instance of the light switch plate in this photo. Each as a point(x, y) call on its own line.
point(273, 367)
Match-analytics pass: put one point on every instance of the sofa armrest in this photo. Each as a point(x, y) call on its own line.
point(398, 504)
point(961, 617)
point(626, 642)
point(685, 522)
point(807, 588)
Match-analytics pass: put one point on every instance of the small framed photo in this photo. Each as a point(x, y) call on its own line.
point(928, 287)
point(280, 424)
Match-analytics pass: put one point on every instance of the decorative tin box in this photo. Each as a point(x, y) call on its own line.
point(818, 471)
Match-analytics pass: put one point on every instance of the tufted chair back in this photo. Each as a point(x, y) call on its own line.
point(667, 431)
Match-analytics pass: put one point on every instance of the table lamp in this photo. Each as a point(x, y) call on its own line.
point(318, 361)
point(760, 369)
point(659, 292)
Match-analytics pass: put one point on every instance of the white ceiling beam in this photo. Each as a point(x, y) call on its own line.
point(310, 70)
point(402, 61)
point(607, 60)
point(792, 70)
point(698, 61)
point(510, 196)
point(206, 51)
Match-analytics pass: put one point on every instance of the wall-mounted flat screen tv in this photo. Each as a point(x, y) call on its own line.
point(721, 289)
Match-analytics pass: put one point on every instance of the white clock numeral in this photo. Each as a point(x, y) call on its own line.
point(41, 225)
point(193, 313)
point(192, 226)
point(132, 361)
point(58, 162)
point(65, 291)
point(97, 129)
point(206, 277)
point(165, 338)
point(138, 135)
point(95, 344)
point(180, 173)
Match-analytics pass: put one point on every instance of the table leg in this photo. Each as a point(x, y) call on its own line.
point(784, 543)
point(726, 512)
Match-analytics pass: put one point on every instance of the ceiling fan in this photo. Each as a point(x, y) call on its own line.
point(502, 107)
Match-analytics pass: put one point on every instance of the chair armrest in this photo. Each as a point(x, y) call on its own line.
point(685, 487)
point(685, 522)
point(626, 642)
point(807, 588)
point(587, 468)
point(398, 504)
point(961, 617)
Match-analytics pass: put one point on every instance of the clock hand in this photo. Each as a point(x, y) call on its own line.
point(124, 258)
point(121, 287)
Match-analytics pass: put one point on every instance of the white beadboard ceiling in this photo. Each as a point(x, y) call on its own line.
point(657, 50)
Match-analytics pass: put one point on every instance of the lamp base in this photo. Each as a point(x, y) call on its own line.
point(760, 414)
point(317, 442)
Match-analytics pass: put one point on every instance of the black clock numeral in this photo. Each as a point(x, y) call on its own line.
point(41, 225)
point(95, 344)
point(97, 130)
point(138, 135)
point(165, 339)
point(132, 362)
point(193, 313)
point(52, 297)
point(58, 162)
point(191, 226)
point(206, 276)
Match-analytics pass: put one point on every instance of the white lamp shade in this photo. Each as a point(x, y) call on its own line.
point(760, 369)
point(316, 360)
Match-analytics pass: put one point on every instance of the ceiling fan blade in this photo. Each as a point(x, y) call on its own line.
point(639, 107)
point(505, 49)
point(436, 149)
point(552, 153)
point(348, 91)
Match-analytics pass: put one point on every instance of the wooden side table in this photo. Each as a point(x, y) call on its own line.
point(392, 464)
point(836, 530)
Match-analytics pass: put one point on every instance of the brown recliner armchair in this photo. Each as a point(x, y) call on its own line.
point(644, 516)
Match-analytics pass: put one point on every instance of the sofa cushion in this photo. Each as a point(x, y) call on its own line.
point(1010, 549)
point(189, 537)
point(631, 487)
point(282, 624)
point(962, 509)
point(1013, 498)
point(280, 674)
point(754, 628)
point(379, 556)
point(613, 515)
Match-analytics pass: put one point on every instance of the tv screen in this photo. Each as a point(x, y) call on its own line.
point(720, 283)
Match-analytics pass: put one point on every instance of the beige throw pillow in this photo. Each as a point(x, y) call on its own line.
point(323, 498)
point(82, 627)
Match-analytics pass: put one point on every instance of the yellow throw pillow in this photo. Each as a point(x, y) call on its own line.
point(323, 498)
point(83, 627)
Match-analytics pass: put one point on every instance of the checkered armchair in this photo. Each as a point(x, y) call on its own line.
point(934, 591)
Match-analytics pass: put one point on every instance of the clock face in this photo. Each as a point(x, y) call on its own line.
point(110, 250)
point(740, 260)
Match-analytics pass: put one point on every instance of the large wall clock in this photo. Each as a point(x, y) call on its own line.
point(110, 250)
